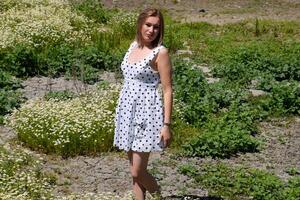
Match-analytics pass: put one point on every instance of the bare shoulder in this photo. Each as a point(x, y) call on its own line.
point(163, 53)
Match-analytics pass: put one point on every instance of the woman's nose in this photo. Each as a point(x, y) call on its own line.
point(151, 29)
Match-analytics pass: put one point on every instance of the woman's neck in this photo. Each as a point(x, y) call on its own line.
point(149, 45)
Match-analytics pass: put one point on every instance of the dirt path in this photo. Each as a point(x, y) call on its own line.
point(215, 11)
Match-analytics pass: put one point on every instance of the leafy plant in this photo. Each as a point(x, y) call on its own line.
point(223, 137)
point(21, 178)
point(93, 9)
point(190, 84)
point(10, 97)
point(124, 23)
point(81, 125)
point(242, 183)
point(21, 61)
point(60, 95)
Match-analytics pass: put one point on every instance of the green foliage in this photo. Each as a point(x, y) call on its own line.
point(226, 120)
point(242, 60)
point(190, 84)
point(60, 59)
point(92, 9)
point(10, 97)
point(292, 191)
point(181, 132)
point(88, 43)
point(20, 61)
point(21, 177)
point(188, 169)
point(226, 135)
point(261, 59)
point(98, 58)
point(67, 127)
point(285, 98)
point(172, 40)
point(242, 183)
point(293, 171)
point(60, 95)
point(124, 24)
point(8, 82)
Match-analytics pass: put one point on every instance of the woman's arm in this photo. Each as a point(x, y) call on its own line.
point(165, 71)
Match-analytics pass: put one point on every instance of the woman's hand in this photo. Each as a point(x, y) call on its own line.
point(165, 136)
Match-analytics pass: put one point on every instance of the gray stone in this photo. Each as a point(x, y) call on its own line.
point(186, 59)
point(257, 93)
point(181, 52)
point(212, 80)
point(204, 68)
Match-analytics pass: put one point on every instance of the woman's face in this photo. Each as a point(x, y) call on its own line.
point(150, 29)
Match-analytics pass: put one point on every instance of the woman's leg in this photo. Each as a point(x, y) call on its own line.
point(138, 189)
point(142, 180)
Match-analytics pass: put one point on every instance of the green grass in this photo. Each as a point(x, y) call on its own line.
point(240, 183)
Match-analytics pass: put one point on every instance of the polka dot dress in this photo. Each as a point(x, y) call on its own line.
point(139, 113)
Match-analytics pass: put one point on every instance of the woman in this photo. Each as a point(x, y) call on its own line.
point(142, 122)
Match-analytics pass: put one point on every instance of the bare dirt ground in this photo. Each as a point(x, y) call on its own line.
point(217, 11)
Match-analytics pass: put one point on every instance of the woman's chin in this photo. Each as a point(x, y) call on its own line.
point(148, 40)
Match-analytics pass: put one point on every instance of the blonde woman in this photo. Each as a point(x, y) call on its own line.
point(142, 118)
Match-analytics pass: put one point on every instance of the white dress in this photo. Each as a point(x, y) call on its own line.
point(139, 113)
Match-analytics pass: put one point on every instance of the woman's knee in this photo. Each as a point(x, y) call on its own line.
point(137, 174)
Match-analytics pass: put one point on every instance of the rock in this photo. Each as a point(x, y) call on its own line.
point(186, 59)
point(212, 80)
point(257, 93)
point(254, 83)
point(181, 52)
point(204, 69)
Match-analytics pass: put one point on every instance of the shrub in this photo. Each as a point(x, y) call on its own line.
point(292, 191)
point(181, 130)
point(23, 61)
point(285, 98)
point(260, 59)
point(8, 82)
point(41, 23)
point(21, 178)
point(189, 87)
point(82, 125)
point(223, 121)
point(10, 97)
point(60, 95)
point(242, 183)
point(124, 23)
point(93, 9)
point(224, 136)
point(173, 40)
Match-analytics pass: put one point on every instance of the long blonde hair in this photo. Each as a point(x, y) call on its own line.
point(150, 12)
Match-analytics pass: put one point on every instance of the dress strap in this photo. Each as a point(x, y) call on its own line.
point(132, 45)
point(155, 51)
